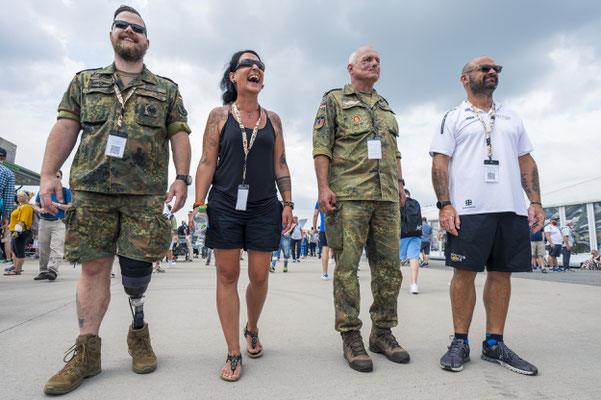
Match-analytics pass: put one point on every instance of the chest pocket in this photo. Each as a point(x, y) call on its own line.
point(385, 120)
point(354, 118)
point(151, 108)
point(98, 101)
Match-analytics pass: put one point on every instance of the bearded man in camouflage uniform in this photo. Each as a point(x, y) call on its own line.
point(360, 184)
point(119, 177)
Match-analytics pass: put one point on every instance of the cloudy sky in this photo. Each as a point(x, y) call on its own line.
point(551, 53)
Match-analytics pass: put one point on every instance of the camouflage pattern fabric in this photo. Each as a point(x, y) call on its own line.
point(100, 225)
point(153, 114)
point(345, 120)
point(347, 229)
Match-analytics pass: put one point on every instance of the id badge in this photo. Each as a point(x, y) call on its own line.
point(242, 197)
point(115, 146)
point(491, 171)
point(374, 149)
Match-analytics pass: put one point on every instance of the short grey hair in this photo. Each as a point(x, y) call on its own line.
point(353, 58)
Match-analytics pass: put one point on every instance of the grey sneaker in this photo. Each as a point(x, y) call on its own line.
point(501, 354)
point(458, 353)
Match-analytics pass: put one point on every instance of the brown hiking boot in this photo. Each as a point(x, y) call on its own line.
point(140, 350)
point(382, 341)
point(84, 362)
point(354, 351)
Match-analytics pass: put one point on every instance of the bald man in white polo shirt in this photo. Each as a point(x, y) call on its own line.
point(481, 164)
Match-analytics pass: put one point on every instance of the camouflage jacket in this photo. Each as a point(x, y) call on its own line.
point(343, 124)
point(153, 114)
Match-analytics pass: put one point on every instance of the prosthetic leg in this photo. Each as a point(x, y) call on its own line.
point(135, 278)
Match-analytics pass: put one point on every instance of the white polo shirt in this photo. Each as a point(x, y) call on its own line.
point(463, 138)
point(554, 234)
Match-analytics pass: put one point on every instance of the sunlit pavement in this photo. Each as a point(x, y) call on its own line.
point(553, 324)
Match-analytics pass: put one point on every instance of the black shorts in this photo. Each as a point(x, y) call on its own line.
point(425, 248)
point(323, 241)
point(499, 241)
point(19, 243)
point(555, 251)
point(259, 232)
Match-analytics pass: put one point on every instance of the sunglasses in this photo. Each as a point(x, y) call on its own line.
point(485, 68)
point(249, 63)
point(134, 27)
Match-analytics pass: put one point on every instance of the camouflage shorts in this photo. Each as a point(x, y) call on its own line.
point(100, 225)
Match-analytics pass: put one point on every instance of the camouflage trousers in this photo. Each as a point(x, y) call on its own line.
point(347, 229)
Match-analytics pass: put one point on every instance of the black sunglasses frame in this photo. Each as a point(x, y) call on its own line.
point(485, 68)
point(247, 62)
point(139, 29)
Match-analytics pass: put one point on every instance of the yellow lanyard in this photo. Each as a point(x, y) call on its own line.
point(247, 146)
point(488, 130)
point(122, 102)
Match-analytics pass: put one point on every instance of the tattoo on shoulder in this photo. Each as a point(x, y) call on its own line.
point(277, 122)
point(216, 117)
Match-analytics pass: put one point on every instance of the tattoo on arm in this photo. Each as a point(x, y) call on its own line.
point(530, 183)
point(283, 159)
point(440, 179)
point(277, 123)
point(211, 132)
point(284, 184)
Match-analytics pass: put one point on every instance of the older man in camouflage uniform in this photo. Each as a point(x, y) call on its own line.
point(360, 184)
point(119, 178)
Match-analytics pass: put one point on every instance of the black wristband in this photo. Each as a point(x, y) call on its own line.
point(536, 202)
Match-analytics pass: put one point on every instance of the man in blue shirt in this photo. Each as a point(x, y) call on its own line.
point(51, 234)
point(7, 189)
point(426, 241)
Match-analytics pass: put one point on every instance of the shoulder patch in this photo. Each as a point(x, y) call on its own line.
point(444, 119)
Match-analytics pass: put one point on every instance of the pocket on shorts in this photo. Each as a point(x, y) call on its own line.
point(334, 227)
point(160, 238)
point(72, 252)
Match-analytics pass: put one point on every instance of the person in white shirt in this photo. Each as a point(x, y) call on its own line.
point(568, 241)
point(555, 240)
point(481, 162)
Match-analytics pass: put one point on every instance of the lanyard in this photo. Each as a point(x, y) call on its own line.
point(122, 102)
point(247, 146)
point(488, 130)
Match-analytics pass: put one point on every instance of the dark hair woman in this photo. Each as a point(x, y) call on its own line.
point(243, 158)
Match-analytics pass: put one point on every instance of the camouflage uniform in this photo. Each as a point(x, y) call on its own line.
point(118, 202)
point(366, 202)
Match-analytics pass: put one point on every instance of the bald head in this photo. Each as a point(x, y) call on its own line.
point(477, 61)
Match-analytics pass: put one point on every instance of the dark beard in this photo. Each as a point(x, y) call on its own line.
point(482, 88)
point(129, 52)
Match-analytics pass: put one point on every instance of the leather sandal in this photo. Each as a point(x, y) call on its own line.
point(234, 360)
point(254, 339)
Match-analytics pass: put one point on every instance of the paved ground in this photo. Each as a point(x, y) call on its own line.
point(553, 324)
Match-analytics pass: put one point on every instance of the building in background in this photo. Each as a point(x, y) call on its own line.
point(23, 176)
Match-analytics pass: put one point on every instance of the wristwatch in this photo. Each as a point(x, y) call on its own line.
point(185, 178)
point(288, 204)
point(441, 204)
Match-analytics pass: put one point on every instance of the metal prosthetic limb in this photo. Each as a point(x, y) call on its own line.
point(135, 278)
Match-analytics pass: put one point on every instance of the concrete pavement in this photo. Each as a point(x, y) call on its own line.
point(555, 325)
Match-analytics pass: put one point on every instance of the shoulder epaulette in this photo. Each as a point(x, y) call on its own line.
point(89, 69)
point(164, 77)
point(445, 118)
point(331, 90)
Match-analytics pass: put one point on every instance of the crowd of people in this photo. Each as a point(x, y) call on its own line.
point(130, 118)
